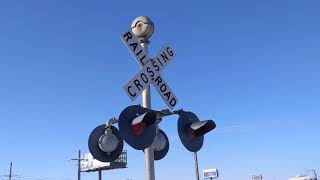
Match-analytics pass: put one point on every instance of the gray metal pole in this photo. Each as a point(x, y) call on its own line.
point(143, 28)
point(146, 97)
point(100, 175)
point(149, 152)
point(196, 165)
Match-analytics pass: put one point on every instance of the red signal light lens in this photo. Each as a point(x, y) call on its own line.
point(138, 129)
point(192, 135)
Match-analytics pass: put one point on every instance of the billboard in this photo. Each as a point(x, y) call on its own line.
point(257, 177)
point(302, 178)
point(210, 173)
point(88, 164)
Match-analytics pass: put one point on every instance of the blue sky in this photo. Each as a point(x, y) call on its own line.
point(253, 66)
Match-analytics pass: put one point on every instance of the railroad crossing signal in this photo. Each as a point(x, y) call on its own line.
point(137, 126)
point(191, 130)
point(105, 143)
point(150, 72)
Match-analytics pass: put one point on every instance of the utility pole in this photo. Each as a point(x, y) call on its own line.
point(79, 164)
point(10, 173)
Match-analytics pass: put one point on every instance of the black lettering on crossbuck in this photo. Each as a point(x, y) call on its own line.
point(150, 72)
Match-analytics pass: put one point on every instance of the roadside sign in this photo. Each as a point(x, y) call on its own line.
point(210, 173)
point(257, 177)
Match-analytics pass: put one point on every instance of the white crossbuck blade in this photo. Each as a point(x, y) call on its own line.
point(150, 71)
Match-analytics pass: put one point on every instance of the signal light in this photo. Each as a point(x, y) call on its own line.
point(200, 128)
point(160, 145)
point(137, 126)
point(105, 143)
point(141, 122)
point(137, 129)
point(191, 130)
point(108, 142)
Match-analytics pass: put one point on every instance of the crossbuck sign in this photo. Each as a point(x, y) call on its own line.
point(150, 71)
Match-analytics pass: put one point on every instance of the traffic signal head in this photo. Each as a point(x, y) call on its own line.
point(137, 126)
point(191, 130)
point(105, 143)
point(160, 145)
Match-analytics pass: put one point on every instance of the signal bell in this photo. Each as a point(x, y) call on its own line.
point(191, 130)
point(105, 143)
point(137, 126)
